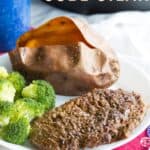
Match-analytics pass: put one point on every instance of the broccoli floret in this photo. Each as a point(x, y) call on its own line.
point(16, 132)
point(5, 113)
point(7, 91)
point(18, 82)
point(42, 91)
point(3, 73)
point(28, 108)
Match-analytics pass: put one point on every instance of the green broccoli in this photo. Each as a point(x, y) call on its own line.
point(28, 108)
point(7, 91)
point(41, 91)
point(18, 82)
point(5, 112)
point(16, 132)
point(3, 73)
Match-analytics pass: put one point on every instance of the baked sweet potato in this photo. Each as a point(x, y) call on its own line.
point(68, 54)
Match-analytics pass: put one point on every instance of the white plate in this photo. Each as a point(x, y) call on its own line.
point(131, 78)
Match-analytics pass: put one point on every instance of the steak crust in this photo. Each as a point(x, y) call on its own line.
point(98, 117)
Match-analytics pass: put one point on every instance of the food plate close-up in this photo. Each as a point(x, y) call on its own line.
point(131, 78)
point(67, 86)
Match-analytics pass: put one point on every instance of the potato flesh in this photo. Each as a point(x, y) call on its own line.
point(48, 35)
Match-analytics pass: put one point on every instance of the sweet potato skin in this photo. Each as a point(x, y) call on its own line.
point(70, 56)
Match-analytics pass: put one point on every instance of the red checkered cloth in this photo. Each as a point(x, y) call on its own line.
point(134, 144)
